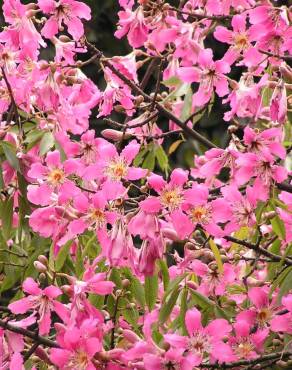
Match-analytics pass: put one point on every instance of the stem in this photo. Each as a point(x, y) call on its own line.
point(28, 333)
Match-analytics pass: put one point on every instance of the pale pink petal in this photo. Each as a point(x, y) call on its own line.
point(193, 321)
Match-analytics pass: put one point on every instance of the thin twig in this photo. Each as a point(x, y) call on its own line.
point(30, 334)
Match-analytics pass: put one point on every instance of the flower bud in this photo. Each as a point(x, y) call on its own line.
point(130, 336)
point(39, 266)
point(43, 259)
point(126, 283)
point(191, 284)
point(170, 234)
point(115, 135)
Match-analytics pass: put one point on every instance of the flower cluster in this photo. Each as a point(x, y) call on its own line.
point(110, 258)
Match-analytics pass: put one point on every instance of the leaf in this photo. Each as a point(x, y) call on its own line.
point(149, 161)
point(173, 284)
point(47, 143)
point(62, 255)
point(277, 223)
point(172, 81)
point(183, 310)
point(202, 300)
point(7, 217)
point(164, 272)
point(286, 285)
point(140, 156)
point(174, 146)
point(10, 154)
point(187, 105)
point(161, 157)
point(168, 306)
point(151, 291)
point(217, 255)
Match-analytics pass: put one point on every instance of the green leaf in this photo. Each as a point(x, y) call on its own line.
point(202, 300)
point(10, 154)
point(183, 310)
point(151, 291)
point(217, 255)
point(2, 185)
point(168, 305)
point(172, 82)
point(47, 143)
point(6, 217)
point(173, 284)
point(187, 105)
point(286, 285)
point(164, 272)
point(149, 161)
point(140, 156)
point(161, 157)
point(62, 255)
point(277, 223)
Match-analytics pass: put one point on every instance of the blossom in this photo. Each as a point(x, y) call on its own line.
point(203, 340)
point(210, 74)
point(69, 12)
point(41, 301)
point(283, 323)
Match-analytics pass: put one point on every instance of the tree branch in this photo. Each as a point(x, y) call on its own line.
point(271, 356)
point(162, 110)
point(260, 250)
point(28, 333)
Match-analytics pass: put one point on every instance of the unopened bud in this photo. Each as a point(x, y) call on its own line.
point(130, 336)
point(139, 100)
point(64, 38)
point(126, 283)
point(170, 234)
point(39, 266)
point(115, 135)
point(43, 259)
point(191, 284)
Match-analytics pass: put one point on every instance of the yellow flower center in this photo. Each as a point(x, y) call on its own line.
point(117, 169)
point(200, 214)
point(171, 198)
point(264, 316)
point(97, 216)
point(244, 349)
point(79, 361)
point(56, 177)
point(241, 41)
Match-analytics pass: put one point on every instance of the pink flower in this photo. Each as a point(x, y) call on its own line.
point(41, 301)
point(283, 322)
point(78, 346)
point(278, 109)
point(240, 38)
point(246, 345)
point(263, 310)
point(197, 210)
point(52, 177)
point(242, 206)
point(267, 142)
point(112, 168)
point(209, 74)
point(203, 340)
point(171, 194)
point(69, 12)
point(133, 24)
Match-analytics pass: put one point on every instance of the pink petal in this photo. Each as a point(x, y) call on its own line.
point(193, 321)
point(131, 151)
point(31, 287)
point(21, 306)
